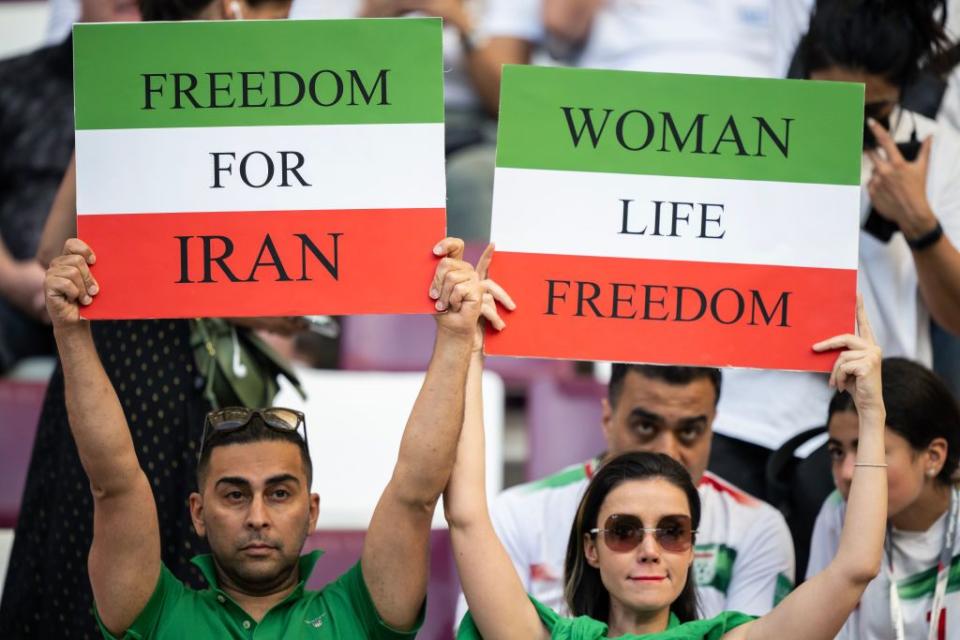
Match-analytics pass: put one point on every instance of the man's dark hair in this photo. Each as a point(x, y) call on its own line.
point(889, 38)
point(255, 431)
point(919, 408)
point(669, 374)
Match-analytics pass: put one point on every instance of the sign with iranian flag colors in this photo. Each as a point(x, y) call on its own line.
point(260, 168)
point(676, 219)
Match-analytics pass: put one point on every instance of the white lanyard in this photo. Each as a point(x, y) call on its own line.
point(943, 575)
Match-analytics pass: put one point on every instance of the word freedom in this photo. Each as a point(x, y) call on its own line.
point(659, 302)
point(636, 130)
point(258, 89)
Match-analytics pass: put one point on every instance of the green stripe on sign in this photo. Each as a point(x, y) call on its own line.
point(230, 73)
point(680, 125)
point(923, 584)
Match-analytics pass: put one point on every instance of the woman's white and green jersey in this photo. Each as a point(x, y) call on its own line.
point(915, 558)
point(744, 552)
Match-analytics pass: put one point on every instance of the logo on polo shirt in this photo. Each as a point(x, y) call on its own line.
point(317, 622)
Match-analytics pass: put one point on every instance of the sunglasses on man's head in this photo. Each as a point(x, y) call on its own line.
point(623, 532)
point(231, 419)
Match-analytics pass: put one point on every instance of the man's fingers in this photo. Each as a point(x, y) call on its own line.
point(72, 274)
point(446, 265)
point(885, 140)
point(60, 287)
point(79, 263)
point(468, 290)
point(450, 281)
point(76, 246)
point(500, 294)
point(450, 248)
point(483, 264)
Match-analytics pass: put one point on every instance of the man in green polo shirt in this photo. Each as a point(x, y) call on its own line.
point(253, 502)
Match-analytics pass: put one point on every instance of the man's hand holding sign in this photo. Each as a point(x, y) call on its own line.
point(676, 219)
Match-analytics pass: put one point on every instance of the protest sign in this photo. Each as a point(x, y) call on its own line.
point(675, 218)
point(260, 168)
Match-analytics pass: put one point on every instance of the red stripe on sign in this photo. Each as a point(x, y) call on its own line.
point(275, 263)
point(671, 312)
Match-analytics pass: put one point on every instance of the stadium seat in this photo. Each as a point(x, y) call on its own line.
point(20, 403)
point(797, 487)
point(563, 422)
point(342, 549)
point(404, 342)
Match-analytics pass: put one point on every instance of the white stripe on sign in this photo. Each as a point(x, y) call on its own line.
point(582, 213)
point(387, 166)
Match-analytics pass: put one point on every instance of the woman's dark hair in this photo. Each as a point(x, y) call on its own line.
point(889, 38)
point(919, 407)
point(583, 588)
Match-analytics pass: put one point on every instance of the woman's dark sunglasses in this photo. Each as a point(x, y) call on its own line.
point(623, 532)
point(235, 418)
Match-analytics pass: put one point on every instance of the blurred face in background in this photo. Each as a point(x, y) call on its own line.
point(244, 10)
point(109, 11)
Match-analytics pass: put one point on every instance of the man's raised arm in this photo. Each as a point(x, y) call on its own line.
point(395, 559)
point(124, 563)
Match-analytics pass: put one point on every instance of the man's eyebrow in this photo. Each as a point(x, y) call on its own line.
point(240, 482)
point(283, 477)
point(640, 412)
point(693, 420)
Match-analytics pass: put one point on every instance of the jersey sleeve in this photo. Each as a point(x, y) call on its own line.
point(826, 534)
point(764, 570)
point(513, 536)
point(164, 598)
point(353, 590)
point(521, 19)
point(943, 181)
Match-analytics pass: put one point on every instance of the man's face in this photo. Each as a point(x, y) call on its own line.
point(654, 415)
point(256, 510)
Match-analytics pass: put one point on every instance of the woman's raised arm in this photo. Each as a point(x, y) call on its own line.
point(498, 604)
point(821, 605)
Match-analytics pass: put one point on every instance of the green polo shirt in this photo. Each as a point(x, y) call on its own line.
point(341, 610)
point(586, 628)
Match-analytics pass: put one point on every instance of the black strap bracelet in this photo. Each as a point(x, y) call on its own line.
point(926, 240)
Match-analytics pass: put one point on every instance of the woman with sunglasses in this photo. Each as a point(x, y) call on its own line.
point(631, 546)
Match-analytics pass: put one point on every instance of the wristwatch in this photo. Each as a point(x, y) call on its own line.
point(926, 240)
